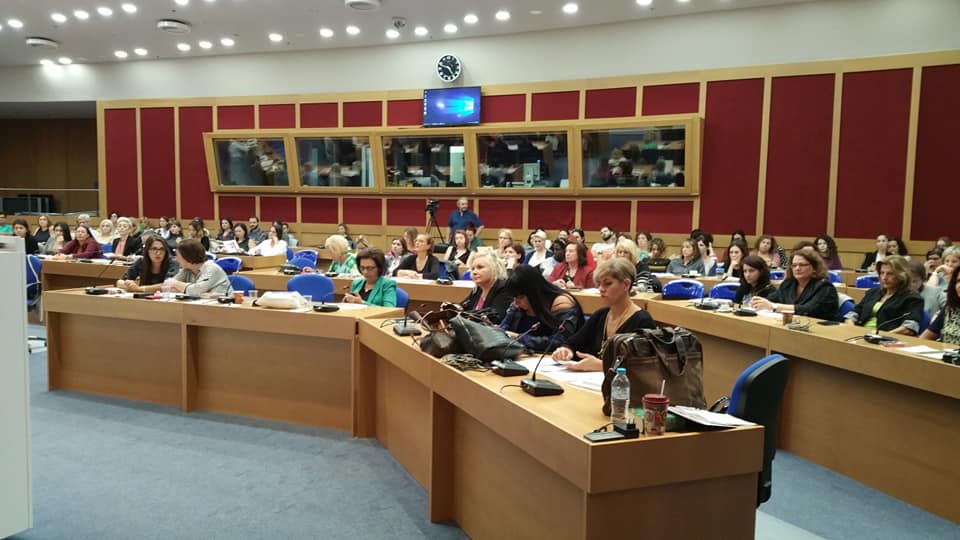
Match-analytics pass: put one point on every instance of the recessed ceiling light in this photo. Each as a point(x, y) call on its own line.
point(140, 51)
point(15, 23)
point(104, 11)
point(226, 42)
point(421, 31)
point(326, 32)
point(58, 17)
point(182, 2)
point(536, 12)
point(393, 33)
point(683, 1)
point(120, 54)
point(183, 46)
point(64, 60)
point(46, 62)
point(470, 18)
point(129, 8)
point(644, 2)
point(275, 37)
point(81, 14)
point(204, 44)
point(571, 8)
point(450, 28)
point(353, 30)
point(502, 15)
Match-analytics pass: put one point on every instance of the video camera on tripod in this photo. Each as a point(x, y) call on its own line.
point(432, 206)
point(433, 226)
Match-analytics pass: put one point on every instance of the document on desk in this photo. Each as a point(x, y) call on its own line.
point(923, 350)
point(707, 418)
point(588, 380)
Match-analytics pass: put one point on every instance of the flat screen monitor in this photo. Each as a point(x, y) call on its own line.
point(451, 106)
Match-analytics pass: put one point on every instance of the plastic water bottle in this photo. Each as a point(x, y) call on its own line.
point(620, 398)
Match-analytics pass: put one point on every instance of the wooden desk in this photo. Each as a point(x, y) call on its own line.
point(876, 414)
point(282, 365)
point(252, 262)
point(503, 464)
point(55, 275)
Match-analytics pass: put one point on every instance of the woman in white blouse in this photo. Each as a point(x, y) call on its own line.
point(273, 245)
point(541, 258)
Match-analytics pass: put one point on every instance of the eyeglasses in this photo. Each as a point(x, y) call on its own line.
point(799, 265)
point(157, 250)
point(505, 238)
point(364, 268)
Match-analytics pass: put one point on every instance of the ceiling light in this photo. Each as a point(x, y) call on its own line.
point(46, 62)
point(353, 30)
point(41, 42)
point(683, 1)
point(644, 2)
point(502, 15)
point(326, 32)
point(393, 33)
point(58, 17)
point(226, 42)
point(571, 8)
point(275, 37)
point(81, 14)
point(104, 11)
point(450, 28)
point(204, 44)
point(470, 18)
point(182, 2)
point(183, 46)
point(15, 23)
point(140, 51)
point(536, 12)
point(129, 8)
point(120, 54)
point(64, 60)
point(421, 31)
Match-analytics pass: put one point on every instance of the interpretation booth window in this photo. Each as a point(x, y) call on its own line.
point(255, 161)
point(644, 157)
point(335, 161)
point(523, 160)
point(435, 161)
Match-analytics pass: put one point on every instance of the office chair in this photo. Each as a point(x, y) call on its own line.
point(310, 254)
point(34, 294)
point(777, 275)
point(679, 289)
point(106, 248)
point(466, 276)
point(211, 256)
point(230, 264)
point(924, 322)
point(835, 276)
point(756, 397)
point(289, 254)
point(316, 285)
point(846, 306)
point(868, 281)
point(725, 291)
point(241, 283)
point(402, 298)
point(303, 262)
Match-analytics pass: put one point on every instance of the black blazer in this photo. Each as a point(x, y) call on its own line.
point(868, 260)
point(818, 300)
point(496, 304)
point(132, 247)
point(903, 307)
point(763, 292)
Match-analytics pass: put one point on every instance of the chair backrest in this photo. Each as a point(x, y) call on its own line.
point(211, 256)
point(309, 254)
point(868, 281)
point(725, 291)
point(756, 397)
point(402, 298)
point(466, 276)
point(319, 286)
point(924, 321)
point(230, 264)
point(34, 269)
point(289, 254)
point(845, 307)
point(777, 275)
point(303, 262)
point(682, 289)
point(835, 276)
point(107, 248)
point(241, 283)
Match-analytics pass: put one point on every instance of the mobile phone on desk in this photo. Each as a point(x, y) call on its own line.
point(603, 436)
point(829, 323)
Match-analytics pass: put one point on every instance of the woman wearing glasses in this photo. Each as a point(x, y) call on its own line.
point(806, 286)
point(373, 289)
point(147, 273)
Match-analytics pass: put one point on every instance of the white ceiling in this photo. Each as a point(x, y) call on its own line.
point(249, 22)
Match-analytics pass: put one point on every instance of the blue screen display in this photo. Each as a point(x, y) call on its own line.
point(451, 106)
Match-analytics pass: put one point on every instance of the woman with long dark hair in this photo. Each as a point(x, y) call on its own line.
point(147, 273)
point(535, 300)
point(754, 280)
point(946, 325)
point(827, 248)
point(59, 237)
point(83, 246)
point(22, 229)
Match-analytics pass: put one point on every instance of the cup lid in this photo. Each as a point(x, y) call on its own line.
point(656, 398)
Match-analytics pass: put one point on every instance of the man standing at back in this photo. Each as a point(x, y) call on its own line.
point(461, 218)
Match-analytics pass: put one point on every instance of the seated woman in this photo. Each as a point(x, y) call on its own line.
point(941, 274)
point(148, 273)
point(946, 325)
point(459, 251)
point(768, 250)
point(196, 231)
point(535, 300)
point(422, 264)
point(344, 261)
point(59, 237)
point(870, 259)
point(22, 229)
point(737, 236)
point(573, 272)
point(658, 260)
point(127, 243)
point(504, 240)
point(288, 235)
point(489, 294)
point(619, 316)
point(83, 246)
point(541, 257)
point(373, 289)
point(754, 280)
point(645, 280)
point(42, 234)
point(174, 235)
point(241, 237)
point(933, 298)
point(342, 231)
point(892, 306)
point(398, 250)
point(226, 229)
point(827, 248)
point(895, 246)
point(643, 240)
point(273, 245)
point(689, 260)
point(198, 275)
point(807, 287)
point(106, 232)
point(735, 254)
point(514, 255)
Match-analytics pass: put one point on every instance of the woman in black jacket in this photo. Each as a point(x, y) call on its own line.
point(489, 295)
point(536, 301)
point(806, 286)
point(892, 306)
point(754, 280)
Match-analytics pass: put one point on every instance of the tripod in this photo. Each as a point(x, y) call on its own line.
point(433, 226)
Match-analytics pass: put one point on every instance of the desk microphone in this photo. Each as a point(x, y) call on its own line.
point(510, 368)
point(897, 319)
point(407, 329)
point(542, 388)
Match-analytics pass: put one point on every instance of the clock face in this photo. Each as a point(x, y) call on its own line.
point(449, 68)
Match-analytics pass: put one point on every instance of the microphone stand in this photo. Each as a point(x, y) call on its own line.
point(511, 368)
point(542, 388)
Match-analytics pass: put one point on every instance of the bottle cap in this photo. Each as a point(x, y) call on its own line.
point(621, 371)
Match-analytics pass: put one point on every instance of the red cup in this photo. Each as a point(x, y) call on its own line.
point(655, 413)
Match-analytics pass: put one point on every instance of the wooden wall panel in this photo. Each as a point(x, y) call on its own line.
point(238, 208)
point(555, 106)
point(235, 117)
point(319, 210)
point(362, 113)
point(597, 214)
point(278, 116)
point(508, 108)
point(278, 208)
point(363, 211)
point(120, 138)
point(318, 115)
point(500, 213)
point(405, 112)
point(551, 214)
point(665, 217)
point(671, 99)
point(158, 165)
point(611, 102)
point(196, 199)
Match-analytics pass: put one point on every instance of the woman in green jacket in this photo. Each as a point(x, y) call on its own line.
point(373, 289)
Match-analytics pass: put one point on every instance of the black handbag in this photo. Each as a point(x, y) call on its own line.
point(439, 339)
point(486, 342)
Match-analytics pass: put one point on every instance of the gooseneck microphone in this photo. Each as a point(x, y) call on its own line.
point(406, 328)
point(542, 388)
point(510, 368)
point(893, 320)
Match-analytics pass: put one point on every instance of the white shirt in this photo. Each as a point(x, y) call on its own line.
point(264, 248)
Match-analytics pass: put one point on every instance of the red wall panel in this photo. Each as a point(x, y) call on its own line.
point(937, 176)
point(613, 214)
point(408, 212)
point(318, 115)
point(319, 210)
point(611, 102)
point(358, 211)
point(235, 117)
point(278, 116)
point(501, 214)
point(874, 118)
point(239, 208)
point(196, 199)
point(731, 156)
point(665, 217)
point(362, 114)
point(551, 214)
point(278, 209)
point(405, 112)
point(798, 155)
point(509, 108)
point(157, 149)
point(120, 139)
point(555, 106)
point(671, 99)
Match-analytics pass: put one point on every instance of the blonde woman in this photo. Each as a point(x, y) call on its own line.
point(105, 232)
point(344, 261)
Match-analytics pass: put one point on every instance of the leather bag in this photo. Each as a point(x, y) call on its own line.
point(652, 356)
point(439, 339)
point(483, 341)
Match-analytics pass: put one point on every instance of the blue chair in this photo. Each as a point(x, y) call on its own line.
point(868, 281)
point(725, 291)
point(756, 397)
point(835, 276)
point(289, 254)
point(34, 269)
point(466, 276)
point(211, 256)
point(924, 321)
point(308, 254)
point(303, 262)
point(107, 248)
point(319, 286)
point(402, 298)
point(241, 283)
point(230, 264)
point(845, 307)
point(443, 271)
point(679, 289)
point(777, 275)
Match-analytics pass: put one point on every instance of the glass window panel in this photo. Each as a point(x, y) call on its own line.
point(335, 161)
point(634, 157)
point(523, 160)
point(252, 162)
point(424, 161)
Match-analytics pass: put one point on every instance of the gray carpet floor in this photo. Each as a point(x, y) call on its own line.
point(107, 469)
